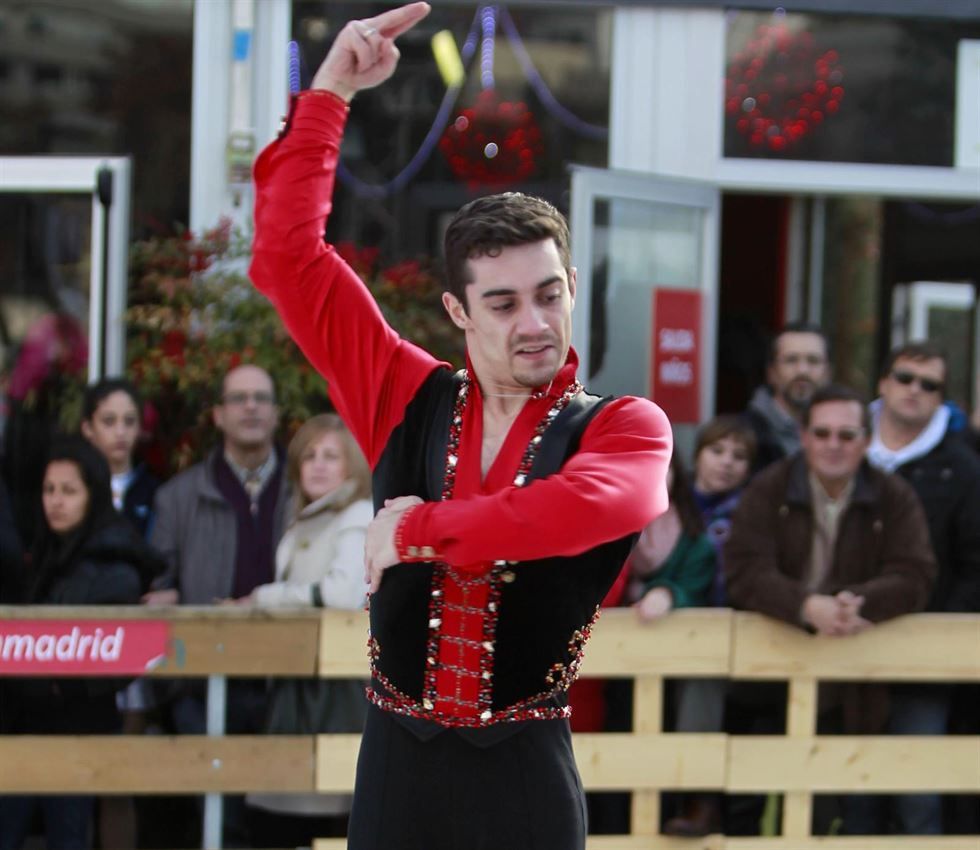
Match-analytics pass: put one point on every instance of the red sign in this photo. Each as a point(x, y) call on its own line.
point(676, 353)
point(81, 647)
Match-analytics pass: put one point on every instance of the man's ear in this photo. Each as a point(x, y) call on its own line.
point(217, 416)
point(87, 431)
point(572, 280)
point(456, 311)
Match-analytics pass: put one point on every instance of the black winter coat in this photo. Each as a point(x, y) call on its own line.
point(113, 567)
point(947, 480)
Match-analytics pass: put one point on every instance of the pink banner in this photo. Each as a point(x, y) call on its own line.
point(81, 647)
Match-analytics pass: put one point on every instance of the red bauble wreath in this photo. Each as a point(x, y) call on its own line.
point(781, 88)
point(493, 143)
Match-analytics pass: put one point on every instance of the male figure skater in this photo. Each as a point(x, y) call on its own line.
point(507, 497)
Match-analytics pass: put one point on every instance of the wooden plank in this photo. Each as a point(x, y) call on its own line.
point(614, 761)
point(691, 642)
point(253, 647)
point(852, 842)
point(343, 644)
point(921, 647)
point(719, 842)
point(336, 762)
point(188, 764)
point(854, 763)
point(648, 716)
point(653, 842)
point(801, 722)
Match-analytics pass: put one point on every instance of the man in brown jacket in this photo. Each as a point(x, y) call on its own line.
point(824, 541)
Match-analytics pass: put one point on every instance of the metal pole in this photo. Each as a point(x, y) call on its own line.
point(213, 814)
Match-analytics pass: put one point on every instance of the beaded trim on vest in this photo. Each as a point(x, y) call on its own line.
point(560, 676)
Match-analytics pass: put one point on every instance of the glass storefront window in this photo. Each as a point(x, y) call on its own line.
point(842, 88)
point(543, 100)
point(103, 77)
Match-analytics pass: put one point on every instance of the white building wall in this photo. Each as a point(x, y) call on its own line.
point(212, 194)
point(667, 90)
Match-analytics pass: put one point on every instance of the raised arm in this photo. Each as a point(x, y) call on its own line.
point(330, 313)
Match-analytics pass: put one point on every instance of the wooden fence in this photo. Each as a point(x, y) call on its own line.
point(218, 642)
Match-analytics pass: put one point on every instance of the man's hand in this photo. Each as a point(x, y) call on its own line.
point(364, 54)
point(379, 545)
point(850, 604)
point(655, 604)
point(157, 598)
point(825, 614)
point(835, 616)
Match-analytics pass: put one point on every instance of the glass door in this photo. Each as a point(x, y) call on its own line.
point(646, 250)
point(64, 234)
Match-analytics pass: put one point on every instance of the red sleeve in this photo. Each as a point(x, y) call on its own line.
point(613, 486)
point(372, 373)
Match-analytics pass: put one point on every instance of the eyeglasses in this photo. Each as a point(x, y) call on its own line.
point(845, 435)
point(813, 360)
point(906, 379)
point(240, 399)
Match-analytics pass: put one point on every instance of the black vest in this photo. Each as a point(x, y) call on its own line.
point(544, 611)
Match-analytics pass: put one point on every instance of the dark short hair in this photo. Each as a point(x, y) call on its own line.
point(484, 227)
point(797, 327)
point(98, 392)
point(920, 350)
point(219, 384)
point(838, 392)
point(727, 425)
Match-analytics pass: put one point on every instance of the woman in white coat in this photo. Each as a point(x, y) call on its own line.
point(319, 563)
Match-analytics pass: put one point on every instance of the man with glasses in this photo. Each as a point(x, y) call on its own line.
point(217, 525)
point(798, 364)
point(912, 437)
point(824, 541)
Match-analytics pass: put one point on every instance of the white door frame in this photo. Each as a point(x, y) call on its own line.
point(590, 183)
point(80, 175)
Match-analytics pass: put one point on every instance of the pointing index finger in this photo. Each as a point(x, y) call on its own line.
point(394, 22)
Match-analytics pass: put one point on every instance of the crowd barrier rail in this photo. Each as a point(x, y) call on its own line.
point(699, 643)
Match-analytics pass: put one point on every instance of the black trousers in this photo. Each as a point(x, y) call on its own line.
point(450, 793)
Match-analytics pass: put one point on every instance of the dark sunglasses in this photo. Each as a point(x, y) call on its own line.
point(928, 385)
point(845, 435)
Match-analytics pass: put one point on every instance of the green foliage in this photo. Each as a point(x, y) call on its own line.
point(194, 315)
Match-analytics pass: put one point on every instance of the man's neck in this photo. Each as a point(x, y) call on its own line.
point(895, 435)
point(120, 468)
point(833, 487)
point(247, 457)
point(792, 412)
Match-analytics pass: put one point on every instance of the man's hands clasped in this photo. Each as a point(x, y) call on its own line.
point(836, 616)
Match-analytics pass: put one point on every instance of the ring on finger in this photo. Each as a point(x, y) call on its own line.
point(365, 31)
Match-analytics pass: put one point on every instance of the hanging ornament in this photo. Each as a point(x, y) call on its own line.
point(781, 88)
point(494, 142)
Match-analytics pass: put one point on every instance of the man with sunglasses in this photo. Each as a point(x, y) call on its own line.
point(913, 438)
point(824, 541)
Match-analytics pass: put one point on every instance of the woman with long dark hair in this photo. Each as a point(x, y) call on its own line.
point(84, 554)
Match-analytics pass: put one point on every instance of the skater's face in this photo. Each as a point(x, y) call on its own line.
point(519, 320)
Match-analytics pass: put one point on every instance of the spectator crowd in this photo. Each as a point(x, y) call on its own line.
point(812, 507)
